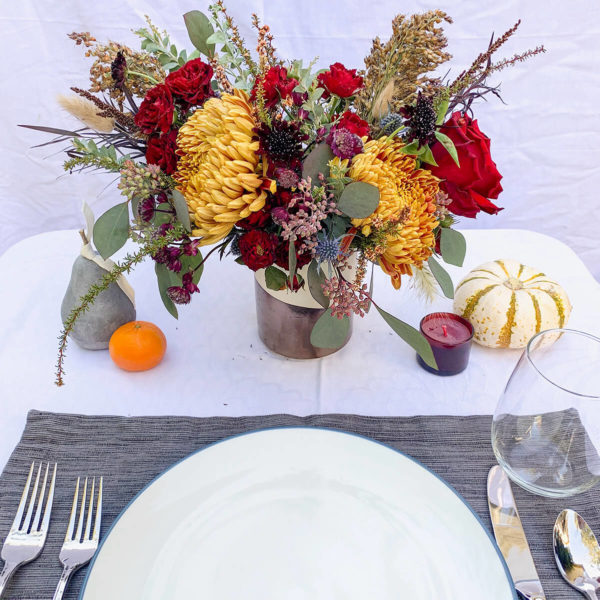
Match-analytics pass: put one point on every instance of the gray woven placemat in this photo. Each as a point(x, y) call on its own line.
point(130, 452)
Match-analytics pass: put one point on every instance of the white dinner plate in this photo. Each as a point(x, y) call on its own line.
point(298, 514)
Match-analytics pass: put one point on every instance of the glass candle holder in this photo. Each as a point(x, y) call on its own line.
point(450, 339)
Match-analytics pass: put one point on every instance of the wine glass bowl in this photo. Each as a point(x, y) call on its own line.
point(546, 427)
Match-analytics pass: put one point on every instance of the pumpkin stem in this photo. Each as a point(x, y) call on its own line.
point(513, 283)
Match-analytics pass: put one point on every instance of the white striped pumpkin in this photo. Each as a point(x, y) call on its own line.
point(508, 302)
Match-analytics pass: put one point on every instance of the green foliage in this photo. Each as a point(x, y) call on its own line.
point(112, 229)
point(442, 277)
point(181, 209)
point(200, 30)
point(411, 336)
point(442, 102)
point(317, 162)
point(292, 261)
point(443, 139)
point(359, 200)
point(165, 279)
point(159, 44)
point(275, 278)
point(337, 225)
point(453, 246)
point(411, 148)
point(329, 331)
point(86, 154)
point(316, 278)
point(426, 155)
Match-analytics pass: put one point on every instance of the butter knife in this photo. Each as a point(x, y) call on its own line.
point(511, 537)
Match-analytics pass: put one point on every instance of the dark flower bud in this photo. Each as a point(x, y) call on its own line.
point(117, 70)
point(178, 295)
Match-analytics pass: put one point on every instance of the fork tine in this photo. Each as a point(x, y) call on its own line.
point(17, 522)
point(97, 522)
point(81, 512)
point(69, 534)
point(88, 522)
point(32, 499)
point(49, 501)
point(38, 511)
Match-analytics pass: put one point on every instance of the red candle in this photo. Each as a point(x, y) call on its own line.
point(450, 338)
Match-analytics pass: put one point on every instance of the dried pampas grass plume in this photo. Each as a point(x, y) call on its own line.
point(381, 105)
point(86, 112)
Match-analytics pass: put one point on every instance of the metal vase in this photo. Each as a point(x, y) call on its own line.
point(285, 328)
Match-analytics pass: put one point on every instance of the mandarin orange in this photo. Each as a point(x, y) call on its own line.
point(137, 346)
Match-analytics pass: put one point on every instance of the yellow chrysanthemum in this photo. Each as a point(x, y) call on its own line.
point(406, 196)
point(220, 173)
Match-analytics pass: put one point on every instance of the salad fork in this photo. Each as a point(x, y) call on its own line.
point(27, 536)
point(78, 549)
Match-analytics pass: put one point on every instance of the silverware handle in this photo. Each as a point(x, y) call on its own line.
point(62, 583)
point(7, 572)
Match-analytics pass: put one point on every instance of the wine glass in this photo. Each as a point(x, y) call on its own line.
point(546, 428)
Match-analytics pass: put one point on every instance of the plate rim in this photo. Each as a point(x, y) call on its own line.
point(310, 428)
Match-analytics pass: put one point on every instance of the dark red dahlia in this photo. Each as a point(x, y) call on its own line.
point(257, 219)
point(191, 83)
point(156, 110)
point(161, 151)
point(340, 81)
point(281, 143)
point(276, 85)
point(282, 256)
point(257, 248)
point(354, 124)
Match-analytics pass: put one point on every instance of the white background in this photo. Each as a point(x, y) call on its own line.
point(545, 140)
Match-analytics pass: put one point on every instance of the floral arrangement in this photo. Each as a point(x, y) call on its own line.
point(284, 167)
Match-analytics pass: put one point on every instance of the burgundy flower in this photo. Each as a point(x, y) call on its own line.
point(117, 70)
point(191, 83)
point(257, 248)
point(146, 209)
point(178, 294)
point(257, 219)
point(282, 256)
point(287, 178)
point(276, 86)
point(191, 248)
point(156, 110)
point(340, 81)
point(161, 151)
point(344, 144)
point(280, 215)
point(281, 143)
point(471, 185)
point(354, 124)
point(188, 283)
point(169, 257)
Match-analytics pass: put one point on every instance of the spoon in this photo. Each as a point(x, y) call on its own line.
point(577, 553)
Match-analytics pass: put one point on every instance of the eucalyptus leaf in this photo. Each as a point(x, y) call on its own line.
point(411, 336)
point(194, 264)
point(371, 288)
point(218, 37)
point(443, 139)
point(359, 200)
point(316, 278)
point(200, 29)
point(166, 279)
point(181, 209)
point(453, 246)
point(163, 217)
point(275, 278)
point(111, 230)
point(442, 277)
point(329, 331)
point(317, 162)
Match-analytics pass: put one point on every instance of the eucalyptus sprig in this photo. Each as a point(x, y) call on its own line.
point(87, 154)
point(152, 246)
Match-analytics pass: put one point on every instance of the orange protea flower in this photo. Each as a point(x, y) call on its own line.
point(220, 173)
point(406, 197)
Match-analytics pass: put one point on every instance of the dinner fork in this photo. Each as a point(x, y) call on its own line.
point(27, 536)
point(77, 550)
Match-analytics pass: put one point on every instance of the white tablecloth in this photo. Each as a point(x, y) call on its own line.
point(215, 363)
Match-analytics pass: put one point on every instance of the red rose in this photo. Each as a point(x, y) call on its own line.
point(282, 256)
point(257, 219)
point(258, 249)
point(156, 110)
point(161, 151)
point(477, 179)
point(276, 85)
point(354, 124)
point(340, 81)
point(191, 83)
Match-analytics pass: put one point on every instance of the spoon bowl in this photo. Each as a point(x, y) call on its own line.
point(577, 553)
